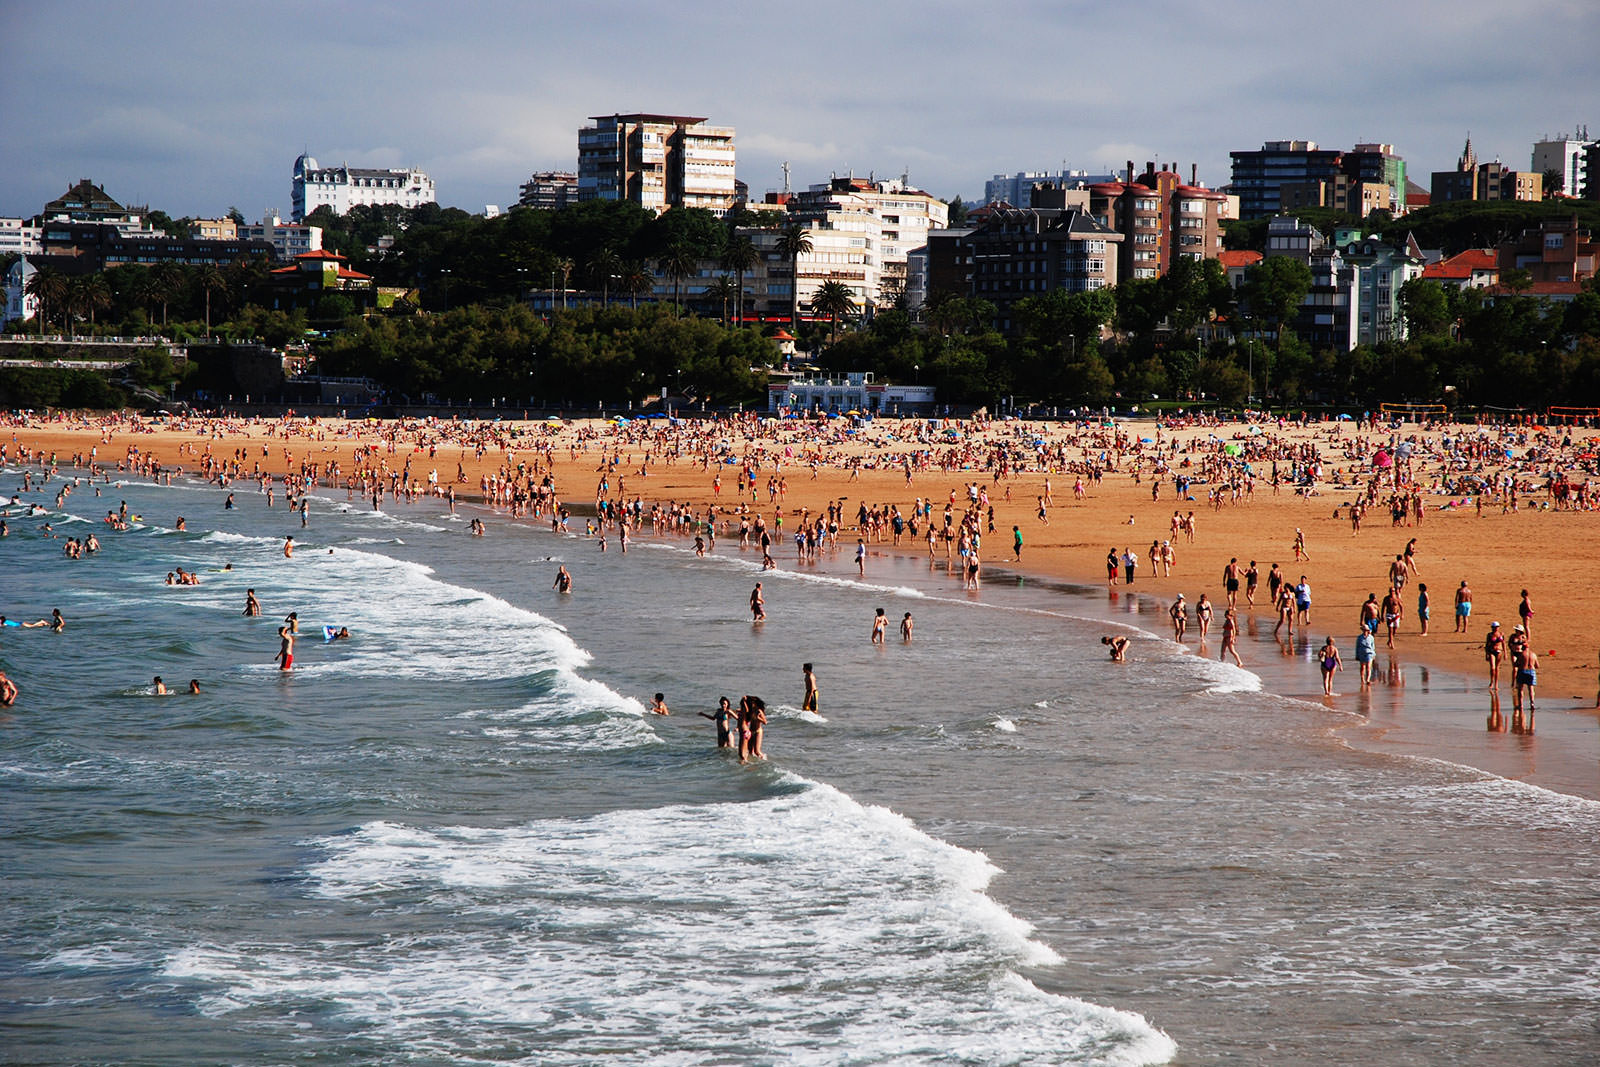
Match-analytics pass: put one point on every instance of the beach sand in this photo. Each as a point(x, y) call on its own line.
point(1498, 553)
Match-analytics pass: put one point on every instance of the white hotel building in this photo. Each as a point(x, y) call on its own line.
point(343, 187)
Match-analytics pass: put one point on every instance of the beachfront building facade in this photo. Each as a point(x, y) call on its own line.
point(110, 244)
point(862, 232)
point(1015, 253)
point(1161, 218)
point(657, 162)
point(857, 393)
point(344, 187)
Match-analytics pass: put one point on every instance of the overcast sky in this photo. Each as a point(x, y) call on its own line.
point(193, 107)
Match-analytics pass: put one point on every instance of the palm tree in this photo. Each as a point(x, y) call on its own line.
point(833, 298)
point(677, 263)
point(166, 278)
point(723, 288)
point(604, 266)
point(90, 293)
point(633, 280)
point(209, 280)
point(565, 266)
point(793, 242)
point(741, 256)
point(49, 287)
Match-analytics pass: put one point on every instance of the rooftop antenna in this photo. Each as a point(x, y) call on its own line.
point(785, 177)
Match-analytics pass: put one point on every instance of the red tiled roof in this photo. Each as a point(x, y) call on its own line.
point(346, 272)
point(1238, 257)
point(1462, 265)
point(319, 254)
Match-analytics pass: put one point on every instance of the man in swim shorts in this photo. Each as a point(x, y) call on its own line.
point(1463, 607)
point(809, 701)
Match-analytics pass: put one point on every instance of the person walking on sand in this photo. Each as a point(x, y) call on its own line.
point(1463, 607)
point(1422, 607)
point(1202, 616)
point(1302, 602)
point(1522, 685)
point(1300, 546)
point(1494, 648)
point(1366, 652)
point(1230, 637)
point(1180, 618)
point(1230, 581)
point(1525, 611)
point(1328, 656)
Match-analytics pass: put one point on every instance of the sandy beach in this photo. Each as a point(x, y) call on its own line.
point(1497, 550)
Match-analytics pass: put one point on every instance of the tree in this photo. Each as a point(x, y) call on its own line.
point(957, 211)
point(208, 279)
point(90, 294)
point(634, 279)
point(165, 279)
point(50, 288)
point(1425, 308)
point(604, 265)
point(565, 267)
point(722, 289)
point(1274, 290)
point(1554, 182)
point(677, 263)
point(833, 298)
point(793, 242)
point(739, 257)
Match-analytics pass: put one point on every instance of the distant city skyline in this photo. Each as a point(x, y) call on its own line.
point(194, 107)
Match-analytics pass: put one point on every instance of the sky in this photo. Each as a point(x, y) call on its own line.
point(196, 106)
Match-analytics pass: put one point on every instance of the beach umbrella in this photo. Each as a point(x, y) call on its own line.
point(1405, 449)
point(1344, 418)
point(1232, 450)
point(1147, 440)
point(1382, 459)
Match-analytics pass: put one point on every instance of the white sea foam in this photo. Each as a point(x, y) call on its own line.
point(1225, 677)
point(1005, 726)
point(845, 932)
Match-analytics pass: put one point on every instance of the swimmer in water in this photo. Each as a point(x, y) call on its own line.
point(809, 701)
point(723, 717)
point(905, 628)
point(659, 705)
point(288, 548)
point(158, 687)
point(252, 606)
point(563, 583)
point(194, 686)
point(8, 691)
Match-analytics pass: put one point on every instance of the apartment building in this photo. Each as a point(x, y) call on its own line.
point(657, 162)
point(1568, 156)
point(1160, 217)
point(549, 190)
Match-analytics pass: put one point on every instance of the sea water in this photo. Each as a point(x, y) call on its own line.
point(459, 838)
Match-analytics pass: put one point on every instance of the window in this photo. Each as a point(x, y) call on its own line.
point(1554, 240)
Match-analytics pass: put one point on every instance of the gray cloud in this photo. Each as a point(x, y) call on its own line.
point(198, 105)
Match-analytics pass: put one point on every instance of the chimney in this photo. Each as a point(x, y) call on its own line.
point(1129, 178)
point(1194, 174)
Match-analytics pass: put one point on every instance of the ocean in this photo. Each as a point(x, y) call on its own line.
point(458, 838)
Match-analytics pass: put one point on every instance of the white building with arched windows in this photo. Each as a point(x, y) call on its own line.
point(344, 187)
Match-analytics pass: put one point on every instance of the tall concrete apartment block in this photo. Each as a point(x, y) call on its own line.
point(1568, 157)
point(1288, 174)
point(657, 162)
point(1161, 218)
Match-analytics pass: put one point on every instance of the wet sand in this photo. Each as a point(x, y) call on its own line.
point(1498, 553)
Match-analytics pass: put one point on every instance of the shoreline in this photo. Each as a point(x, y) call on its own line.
point(1062, 553)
